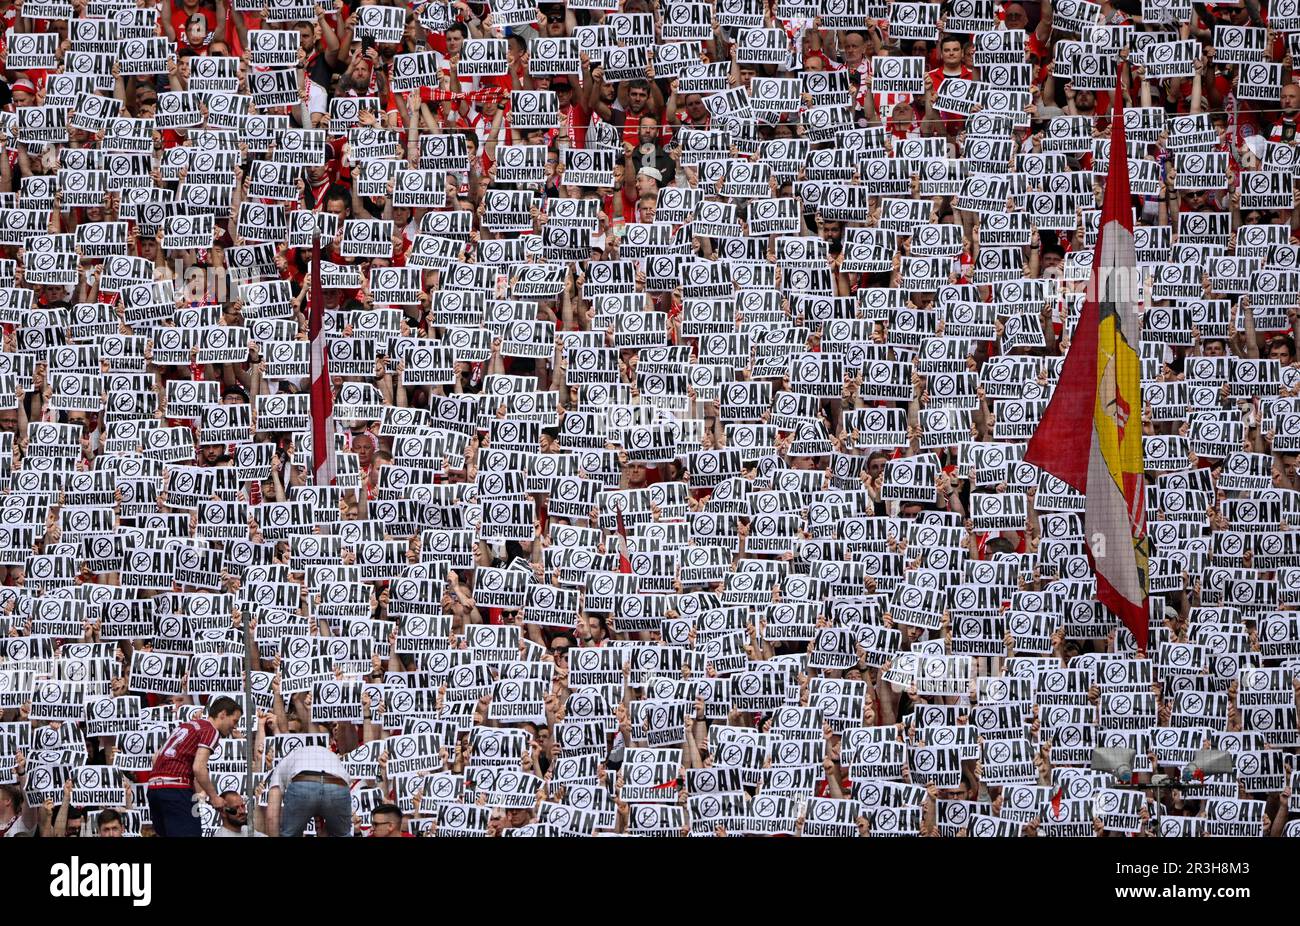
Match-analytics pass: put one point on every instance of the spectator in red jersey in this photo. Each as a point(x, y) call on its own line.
point(952, 52)
point(182, 763)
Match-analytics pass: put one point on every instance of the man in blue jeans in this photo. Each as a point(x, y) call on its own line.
point(310, 782)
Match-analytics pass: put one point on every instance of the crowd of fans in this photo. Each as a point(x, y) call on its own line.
point(683, 357)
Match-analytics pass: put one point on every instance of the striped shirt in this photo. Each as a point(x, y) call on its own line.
point(173, 767)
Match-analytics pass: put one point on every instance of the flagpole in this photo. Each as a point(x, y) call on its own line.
point(250, 725)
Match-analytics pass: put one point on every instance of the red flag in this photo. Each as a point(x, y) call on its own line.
point(1056, 801)
point(478, 97)
point(322, 399)
point(624, 564)
point(1101, 383)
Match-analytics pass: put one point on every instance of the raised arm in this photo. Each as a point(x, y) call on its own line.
point(202, 780)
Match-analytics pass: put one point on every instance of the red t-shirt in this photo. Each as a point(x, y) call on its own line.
point(175, 761)
point(577, 119)
point(180, 18)
point(1035, 46)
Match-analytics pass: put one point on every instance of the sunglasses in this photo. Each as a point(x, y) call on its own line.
point(559, 650)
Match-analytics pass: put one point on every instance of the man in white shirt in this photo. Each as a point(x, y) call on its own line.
point(310, 782)
point(233, 816)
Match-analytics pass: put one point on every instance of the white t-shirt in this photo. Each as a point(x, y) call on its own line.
point(18, 827)
point(308, 759)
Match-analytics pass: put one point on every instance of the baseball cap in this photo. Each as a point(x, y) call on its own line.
point(651, 172)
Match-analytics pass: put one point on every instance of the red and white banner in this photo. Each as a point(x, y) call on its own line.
point(322, 400)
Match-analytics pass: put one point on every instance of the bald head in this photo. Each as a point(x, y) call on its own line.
point(1291, 98)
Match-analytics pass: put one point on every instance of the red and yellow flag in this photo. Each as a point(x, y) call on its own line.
point(322, 398)
point(1101, 383)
